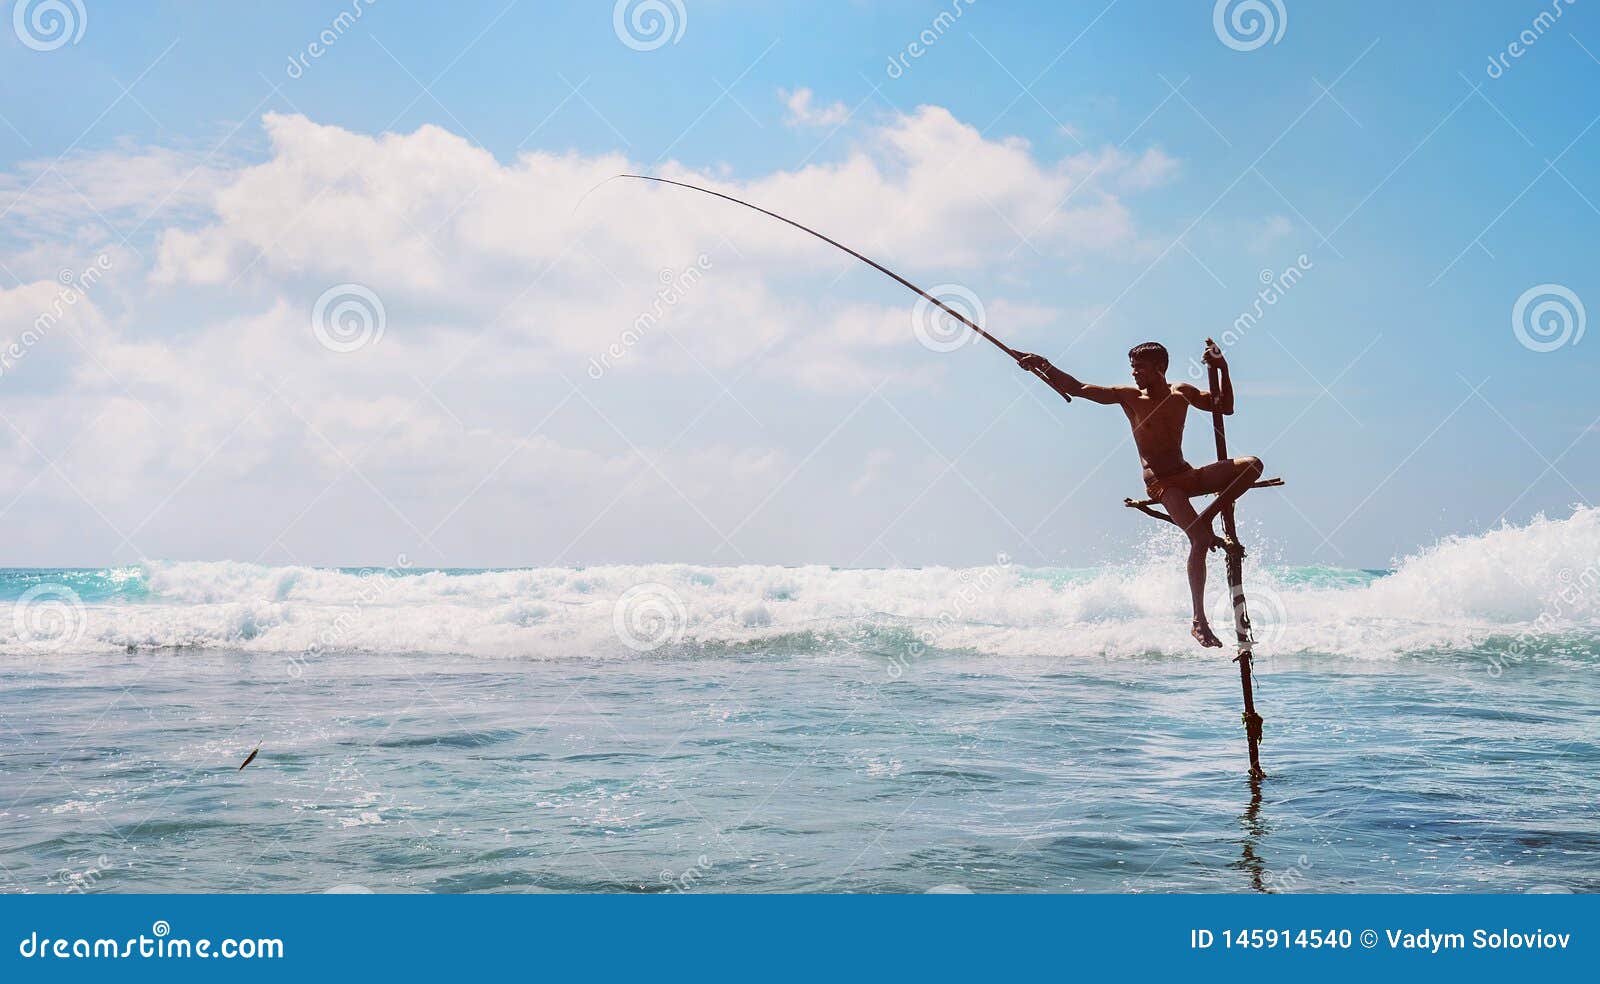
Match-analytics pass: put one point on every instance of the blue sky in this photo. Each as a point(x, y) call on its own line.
point(785, 411)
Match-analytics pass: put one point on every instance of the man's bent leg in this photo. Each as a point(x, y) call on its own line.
point(1200, 535)
point(1229, 479)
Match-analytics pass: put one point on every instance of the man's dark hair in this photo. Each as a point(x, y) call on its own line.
point(1152, 352)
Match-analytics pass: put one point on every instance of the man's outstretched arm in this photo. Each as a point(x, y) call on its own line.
point(1067, 384)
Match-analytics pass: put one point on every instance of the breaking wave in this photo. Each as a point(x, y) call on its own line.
point(1535, 585)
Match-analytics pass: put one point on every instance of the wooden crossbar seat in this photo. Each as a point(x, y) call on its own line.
point(1265, 483)
point(1147, 506)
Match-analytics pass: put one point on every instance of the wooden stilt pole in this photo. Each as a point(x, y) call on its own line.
point(1234, 553)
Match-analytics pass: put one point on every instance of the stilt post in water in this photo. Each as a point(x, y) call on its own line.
point(1233, 551)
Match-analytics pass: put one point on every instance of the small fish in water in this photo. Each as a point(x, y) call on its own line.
point(250, 758)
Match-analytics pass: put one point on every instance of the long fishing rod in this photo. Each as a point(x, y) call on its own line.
point(947, 309)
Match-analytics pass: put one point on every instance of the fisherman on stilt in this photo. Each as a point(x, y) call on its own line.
point(1157, 410)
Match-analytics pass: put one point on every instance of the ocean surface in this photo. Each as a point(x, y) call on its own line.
point(1430, 728)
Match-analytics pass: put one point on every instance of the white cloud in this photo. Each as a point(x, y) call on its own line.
point(87, 197)
point(1269, 232)
point(872, 469)
point(1114, 167)
point(422, 209)
point(803, 113)
point(191, 380)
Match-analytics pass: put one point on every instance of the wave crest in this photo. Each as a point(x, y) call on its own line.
point(1540, 579)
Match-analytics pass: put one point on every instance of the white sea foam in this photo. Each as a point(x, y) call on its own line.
point(1542, 578)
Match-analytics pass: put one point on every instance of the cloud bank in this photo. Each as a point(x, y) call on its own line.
point(187, 403)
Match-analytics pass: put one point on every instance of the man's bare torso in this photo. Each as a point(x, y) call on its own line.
point(1157, 420)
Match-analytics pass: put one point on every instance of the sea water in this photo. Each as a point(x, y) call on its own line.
point(1429, 728)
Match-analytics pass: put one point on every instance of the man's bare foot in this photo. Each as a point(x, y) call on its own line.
point(1204, 636)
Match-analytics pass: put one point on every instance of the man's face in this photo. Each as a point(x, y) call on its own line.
point(1145, 373)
